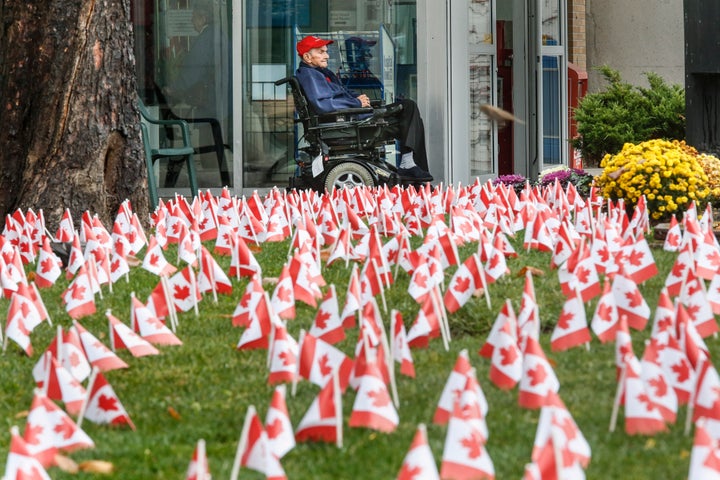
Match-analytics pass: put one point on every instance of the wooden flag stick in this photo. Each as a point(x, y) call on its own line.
point(168, 301)
point(618, 394)
point(338, 408)
point(297, 373)
point(194, 286)
point(86, 400)
point(691, 403)
point(42, 304)
point(237, 462)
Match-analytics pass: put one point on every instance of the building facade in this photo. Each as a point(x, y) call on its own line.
point(451, 56)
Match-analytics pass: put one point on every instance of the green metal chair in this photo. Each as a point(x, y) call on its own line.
point(153, 153)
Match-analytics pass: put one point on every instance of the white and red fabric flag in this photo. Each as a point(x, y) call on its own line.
point(496, 265)
point(49, 430)
point(184, 289)
point(243, 262)
point(664, 316)
point(323, 421)
point(373, 407)
point(642, 416)
point(66, 228)
point(557, 424)
point(148, 326)
point(673, 236)
point(464, 454)
point(22, 319)
point(528, 319)
point(604, 322)
point(579, 274)
point(254, 450)
point(258, 330)
point(506, 362)
point(283, 356)
point(251, 300)
point(79, 298)
point(571, 328)
point(705, 455)
point(353, 299)
point(419, 462)
point(318, 359)
point(306, 286)
point(154, 260)
point(227, 236)
point(658, 384)
point(21, 464)
point(103, 405)
point(505, 315)
point(49, 266)
point(60, 385)
point(283, 296)
point(454, 385)
point(538, 383)
point(122, 337)
point(327, 324)
point(706, 400)
point(679, 271)
point(97, 353)
point(277, 424)
point(629, 301)
point(697, 306)
point(666, 351)
point(342, 248)
point(467, 279)
point(425, 326)
point(198, 468)
point(71, 354)
point(637, 259)
point(707, 256)
point(400, 348)
point(212, 277)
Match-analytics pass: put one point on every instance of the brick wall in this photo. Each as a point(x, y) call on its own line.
point(576, 33)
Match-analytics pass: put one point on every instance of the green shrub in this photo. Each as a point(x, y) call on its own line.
point(624, 113)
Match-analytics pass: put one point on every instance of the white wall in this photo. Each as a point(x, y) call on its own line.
point(636, 36)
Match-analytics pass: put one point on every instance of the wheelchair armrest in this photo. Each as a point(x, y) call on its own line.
point(376, 103)
point(349, 111)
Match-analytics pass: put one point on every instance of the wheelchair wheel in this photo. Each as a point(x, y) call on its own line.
point(348, 175)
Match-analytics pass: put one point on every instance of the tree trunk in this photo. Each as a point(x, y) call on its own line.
point(69, 126)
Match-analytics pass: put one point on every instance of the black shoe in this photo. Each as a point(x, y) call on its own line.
point(415, 173)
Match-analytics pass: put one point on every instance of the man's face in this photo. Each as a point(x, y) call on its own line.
point(317, 57)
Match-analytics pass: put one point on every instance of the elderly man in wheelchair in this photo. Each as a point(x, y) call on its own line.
point(346, 133)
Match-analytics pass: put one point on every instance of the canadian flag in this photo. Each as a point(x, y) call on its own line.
point(97, 353)
point(252, 299)
point(557, 424)
point(327, 325)
point(323, 419)
point(706, 401)
point(103, 405)
point(528, 319)
point(306, 284)
point(713, 293)
point(688, 337)
point(66, 228)
point(318, 359)
point(425, 326)
point(664, 317)
point(49, 266)
point(707, 256)
point(605, 319)
point(198, 468)
point(419, 462)
point(538, 381)
point(79, 298)
point(665, 350)
point(188, 244)
point(22, 319)
point(467, 279)
point(506, 315)
point(679, 270)
point(697, 306)
point(637, 260)
point(641, 413)
point(277, 424)
point(283, 297)
point(673, 236)
point(629, 301)
point(148, 326)
point(283, 356)
point(184, 289)
point(549, 463)
point(49, 430)
point(571, 328)
point(705, 455)
point(254, 450)
point(68, 349)
point(60, 385)
point(259, 327)
point(226, 236)
point(496, 265)
point(657, 384)
point(342, 248)
point(21, 464)
point(506, 363)
point(122, 337)
point(579, 274)
point(243, 261)
point(455, 384)
point(212, 278)
point(400, 348)
point(154, 260)
point(464, 455)
point(373, 407)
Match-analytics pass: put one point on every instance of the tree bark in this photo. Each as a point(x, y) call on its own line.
point(69, 125)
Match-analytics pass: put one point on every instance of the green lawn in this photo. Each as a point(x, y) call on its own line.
point(210, 385)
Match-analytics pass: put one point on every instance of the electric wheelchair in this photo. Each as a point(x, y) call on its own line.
point(341, 149)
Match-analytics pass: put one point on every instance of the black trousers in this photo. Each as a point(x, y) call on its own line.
point(407, 127)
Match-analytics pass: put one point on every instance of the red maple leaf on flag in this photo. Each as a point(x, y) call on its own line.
point(46, 265)
point(693, 287)
point(714, 258)
point(421, 280)
point(77, 291)
point(466, 227)
point(570, 430)
point(462, 285)
point(379, 397)
point(74, 359)
point(24, 308)
point(182, 292)
point(154, 259)
point(287, 357)
point(659, 385)
point(604, 254)
point(24, 247)
point(176, 229)
point(494, 262)
point(678, 269)
point(329, 225)
point(409, 473)
point(324, 365)
point(509, 355)
point(32, 433)
point(322, 318)
point(604, 312)
point(582, 274)
point(693, 310)
point(156, 323)
point(473, 443)
point(274, 429)
point(565, 319)
point(682, 371)
point(64, 428)
point(537, 375)
point(664, 324)
point(271, 226)
point(635, 258)
point(635, 298)
point(107, 403)
point(114, 266)
point(203, 224)
point(647, 401)
point(284, 294)
point(673, 239)
point(434, 268)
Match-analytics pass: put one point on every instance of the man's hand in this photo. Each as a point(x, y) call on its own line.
point(364, 100)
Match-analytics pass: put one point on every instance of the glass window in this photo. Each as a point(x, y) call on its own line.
point(552, 102)
point(481, 53)
point(360, 29)
point(183, 66)
point(551, 21)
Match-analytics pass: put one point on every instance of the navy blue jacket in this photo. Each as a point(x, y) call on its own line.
point(324, 90)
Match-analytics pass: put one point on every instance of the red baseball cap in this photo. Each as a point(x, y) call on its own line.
point(310, 42)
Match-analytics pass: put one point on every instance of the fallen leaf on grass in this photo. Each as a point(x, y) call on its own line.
point(325, 254)
point(533, 271)
point(22, 414)
point(174, 413)
point(66, 464)
point(255, 248)
point(96, 466)
point(270, 280)
point(133, 261)
point(31, 276)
